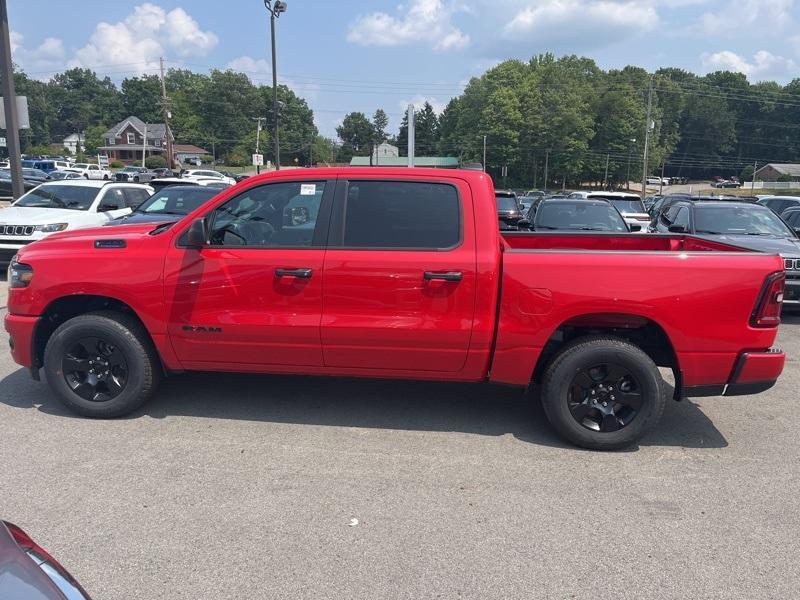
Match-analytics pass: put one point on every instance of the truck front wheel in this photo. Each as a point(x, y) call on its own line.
point(101, 364)
point(602, 393)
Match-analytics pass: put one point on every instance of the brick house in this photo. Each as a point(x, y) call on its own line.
point(125, 141)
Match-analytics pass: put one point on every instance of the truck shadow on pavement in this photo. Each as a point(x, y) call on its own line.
point(375, 404)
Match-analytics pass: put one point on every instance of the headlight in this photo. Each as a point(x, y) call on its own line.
point(51, 227)
point(19, 274)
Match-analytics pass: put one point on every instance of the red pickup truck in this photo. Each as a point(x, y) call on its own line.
point(396, 273)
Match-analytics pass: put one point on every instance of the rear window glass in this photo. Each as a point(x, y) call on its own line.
point(507, 203)
point(395, 214)
point(579, 216)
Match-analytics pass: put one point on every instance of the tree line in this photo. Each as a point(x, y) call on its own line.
point(562, 115)
point(579, 122)
point(218, 112)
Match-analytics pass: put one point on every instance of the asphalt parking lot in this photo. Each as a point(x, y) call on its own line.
point(289, 487)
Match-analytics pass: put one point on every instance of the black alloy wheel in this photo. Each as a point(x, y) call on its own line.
point(605, 397)
point(95, 369)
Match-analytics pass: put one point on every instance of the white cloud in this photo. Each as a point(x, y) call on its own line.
point(597, 21)
point(776, 13)
point(41, 61)
point(422, 21)
point(763, 65)
point(142, 37)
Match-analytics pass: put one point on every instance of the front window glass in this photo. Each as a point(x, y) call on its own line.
point(269, 216)
point(59, 196)
point(739, 220)
point(578, 216)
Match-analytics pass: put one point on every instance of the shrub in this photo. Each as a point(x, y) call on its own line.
point(237, 160)
point(116, 164)
point(155, 162)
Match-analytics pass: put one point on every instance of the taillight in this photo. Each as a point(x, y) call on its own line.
point(767, 312)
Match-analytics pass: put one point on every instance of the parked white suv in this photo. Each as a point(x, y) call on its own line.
point(68, 204)
point(629, 205)
point(90, 171)
point(198, 174)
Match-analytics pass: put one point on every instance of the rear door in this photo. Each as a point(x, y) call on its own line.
point(400, 275)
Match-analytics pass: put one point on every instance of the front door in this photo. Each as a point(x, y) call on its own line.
point(253, 295)
point(400, 276)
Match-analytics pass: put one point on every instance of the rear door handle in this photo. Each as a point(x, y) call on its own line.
point(299, 273)
point(444, 276)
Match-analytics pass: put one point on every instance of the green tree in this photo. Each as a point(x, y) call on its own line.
point(356, 134)
point(141, 97)
point(379, 124)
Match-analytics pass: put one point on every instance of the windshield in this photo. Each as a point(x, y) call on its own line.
point(739, 220)
point(627, 206)
point(580, 216)
point(176, 201)
point(59, 196)
point(507, 203)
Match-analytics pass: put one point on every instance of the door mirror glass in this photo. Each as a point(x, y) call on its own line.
point(107, 207)
point(524, 224)
point(197, 235)
point(677, 228)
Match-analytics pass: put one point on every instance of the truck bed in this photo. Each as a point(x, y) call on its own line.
point(700, 293)
point(613, 242)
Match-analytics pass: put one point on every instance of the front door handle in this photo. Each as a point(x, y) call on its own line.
point(444, 276)
point(299, 273)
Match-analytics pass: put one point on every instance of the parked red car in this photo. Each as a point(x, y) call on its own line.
point(396, 273)
point(28, 572)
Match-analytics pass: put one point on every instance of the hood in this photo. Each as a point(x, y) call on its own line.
point(762, 243)
point(83, 240)
point(21, 215)
point(139, 218)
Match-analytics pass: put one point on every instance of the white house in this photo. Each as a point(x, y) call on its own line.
point(71, 143)
point(384, 150)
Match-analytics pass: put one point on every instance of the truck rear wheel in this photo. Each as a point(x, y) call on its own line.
point(602, 393)
point(101, 364)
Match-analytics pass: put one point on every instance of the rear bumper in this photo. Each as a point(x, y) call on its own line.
point(21, 331)
point(753, 373)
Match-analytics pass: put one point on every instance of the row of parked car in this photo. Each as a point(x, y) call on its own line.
point(767, 223)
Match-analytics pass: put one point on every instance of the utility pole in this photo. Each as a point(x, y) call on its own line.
point(661, 185)
point(258, 138)
point(628, 172)
point(647, 138)
point(167, 115)
point(10, 105)
point(534, 172)
point(484, 154)
point(546, 163)
point(275, 12)
point(605, 177)
point(753, 181)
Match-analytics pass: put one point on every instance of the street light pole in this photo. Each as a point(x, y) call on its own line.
point(10, 105)
point(275, 12)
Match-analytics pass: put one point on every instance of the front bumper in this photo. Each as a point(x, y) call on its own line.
point(21, 331)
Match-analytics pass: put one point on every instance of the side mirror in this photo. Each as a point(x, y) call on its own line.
point(197, 234)
point(107, 207)
point(677, 228)
point(635, 227)
point(524, 224)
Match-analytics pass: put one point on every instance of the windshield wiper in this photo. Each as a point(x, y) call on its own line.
point(759, 233)
point(708, 231)
point(545, 227)
point(591, 229)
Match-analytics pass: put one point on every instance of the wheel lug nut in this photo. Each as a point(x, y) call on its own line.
point(605, 403)
point(612, 397)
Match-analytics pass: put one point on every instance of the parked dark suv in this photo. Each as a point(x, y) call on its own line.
point(508, 209)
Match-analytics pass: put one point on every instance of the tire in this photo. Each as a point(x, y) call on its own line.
point(105, 177)
point(132, 378)
point(576, 411)
point(86, 175)
point(136, 179)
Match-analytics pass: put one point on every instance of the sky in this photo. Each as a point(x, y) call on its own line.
point(367, 54)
